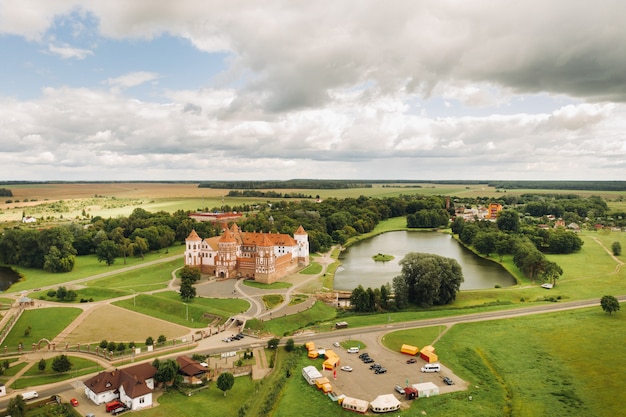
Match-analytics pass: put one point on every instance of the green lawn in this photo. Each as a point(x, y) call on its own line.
point(320, 316)
point(150, 278)
point(44, 323)
point(86, 266)
point(175, 404)
point(313, 269)
point(168, 306)
point(34, 377)
point(273, 286)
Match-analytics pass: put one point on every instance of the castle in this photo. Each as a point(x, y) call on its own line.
point(265, 257)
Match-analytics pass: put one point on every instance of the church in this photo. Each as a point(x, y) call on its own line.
point(264, 257)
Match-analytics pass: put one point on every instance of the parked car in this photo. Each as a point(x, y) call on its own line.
point(546, 286)
point(399, 389)
point(336, 344)
point(90, 415)
point(74, 402)
point(368, 360)
point(364, 355)
point(353, 350)
point(448, 381)
point(412, 360)
point(346, 368)
point(375, 366)
point(380, 370)
point(119, 410)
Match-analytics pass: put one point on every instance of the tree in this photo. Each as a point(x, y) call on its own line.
point(166, 372)
point(107, 251)
point(42, 364)
point(431, 279)
point(225, 382)
point(61, 364)
point(161, 339)
point(609, 304)
point(17, 406)
point(273, 343)
point(187, 291)
point(61, 293)
point(401, 292)
point(190, 273)
point(290, 345)
point(616, 247)
point(149, 341)
point(508, 221)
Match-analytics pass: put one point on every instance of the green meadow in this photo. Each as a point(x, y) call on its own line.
point(168, 306)
point(39, 323)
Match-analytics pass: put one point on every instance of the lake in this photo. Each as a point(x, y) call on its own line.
point(8, 277)
point(358, 267)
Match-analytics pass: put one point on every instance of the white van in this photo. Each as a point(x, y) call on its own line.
point(431, 367)
point(30, 395)
point(353, 350)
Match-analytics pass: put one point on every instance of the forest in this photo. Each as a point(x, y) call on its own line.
point(329, 222)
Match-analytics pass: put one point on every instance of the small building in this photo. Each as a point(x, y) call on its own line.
point(385, 404)
point(428, 354)
point(311, 374)
point(426, 389)
point(410, 393)
point(409, 350)
point(354, 404)
point(332, 360)
point(193, 372)
point(341, 325)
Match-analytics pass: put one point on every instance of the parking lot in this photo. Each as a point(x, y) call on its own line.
point(364, 383)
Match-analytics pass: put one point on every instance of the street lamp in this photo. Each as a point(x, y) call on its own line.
point(187, 310)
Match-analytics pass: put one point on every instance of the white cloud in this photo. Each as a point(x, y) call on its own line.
point(66, 51)
point(132, 79)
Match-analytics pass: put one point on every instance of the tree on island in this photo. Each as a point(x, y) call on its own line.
point(430, 279)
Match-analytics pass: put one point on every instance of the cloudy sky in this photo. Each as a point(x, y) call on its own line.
point(355, 89)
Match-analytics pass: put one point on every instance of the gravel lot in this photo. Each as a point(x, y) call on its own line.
point(364, 384)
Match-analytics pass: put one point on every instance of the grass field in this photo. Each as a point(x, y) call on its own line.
point(168, 306)
point(34, 377)
point(42, 323)
point(88, 266)
point(121, 325)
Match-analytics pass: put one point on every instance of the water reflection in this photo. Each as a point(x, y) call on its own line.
point(358, 267)
point(8, 277)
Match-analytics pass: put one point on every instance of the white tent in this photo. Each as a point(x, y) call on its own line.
point(385, 403)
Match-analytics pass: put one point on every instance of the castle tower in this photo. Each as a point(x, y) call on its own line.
point(302, 238)
point(192, 249)
point(226, 259)
point(265, 261)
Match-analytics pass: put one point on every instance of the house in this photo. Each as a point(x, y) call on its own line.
point(133, 386)
point(193, 372)
point(264, 257)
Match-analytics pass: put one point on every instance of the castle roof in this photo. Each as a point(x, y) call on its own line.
point(227, 237)
point(300, 231)
point(275, 239)
point(193, 235)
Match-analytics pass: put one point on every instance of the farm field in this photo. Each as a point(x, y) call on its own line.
point(77, 200)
